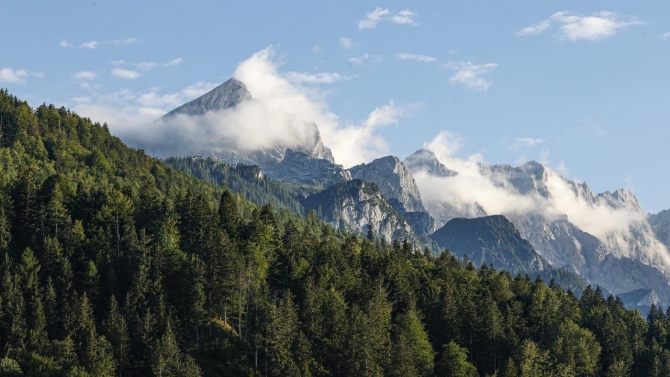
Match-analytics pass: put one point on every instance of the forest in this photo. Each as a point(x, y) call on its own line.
point(112, 263)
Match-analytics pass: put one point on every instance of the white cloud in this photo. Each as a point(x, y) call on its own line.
point(525, 142)
point(173, 63)
point(131, 74)
point(366, 59)
point(282, 113)
point(81, 100)
point(379, 14)
point(85, 75)
point(89, 45)
point(476, 184)
point(470, 75)
point(126, 73)
point(418, 58)
point(348, 43)
point(121, 42)
point(574, 26)
point(314, 78)
point(666, 35)
point(534, 29)
point(39, 75)
point(144, 66)
point(13, 76)
point(318, 49)
point(404, 17)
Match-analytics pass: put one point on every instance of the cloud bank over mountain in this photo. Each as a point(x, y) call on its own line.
point(282, 111)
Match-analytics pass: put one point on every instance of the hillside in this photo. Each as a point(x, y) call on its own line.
point(114, 264)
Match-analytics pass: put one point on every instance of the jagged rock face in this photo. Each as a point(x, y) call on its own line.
point(426, 160)
point(394, 180)
point(231, 94)
point(620, 260)
point(422, 223)
point(355, 205)
point(491, 239)
point(660, 223)
point(302, 168)
point(224, 96)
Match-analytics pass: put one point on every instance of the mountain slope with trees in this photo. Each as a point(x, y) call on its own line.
point(114, 264)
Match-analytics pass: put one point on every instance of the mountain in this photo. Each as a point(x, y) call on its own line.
point(660, 223)
point(277, 161)
point(355, 206)
point(490, 240)
point(394, 180)
point(397, 184)
point(620, 259)
point(225, 96)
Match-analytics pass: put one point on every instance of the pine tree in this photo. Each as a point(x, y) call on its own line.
point(115, 330)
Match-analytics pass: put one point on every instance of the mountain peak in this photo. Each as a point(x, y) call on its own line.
point(225, 96)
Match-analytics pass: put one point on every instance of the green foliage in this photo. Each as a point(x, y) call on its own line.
point(112, 263)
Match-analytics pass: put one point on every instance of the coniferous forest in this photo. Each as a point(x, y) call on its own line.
point(114, 264)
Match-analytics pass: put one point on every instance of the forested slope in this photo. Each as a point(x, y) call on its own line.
point(112, 263)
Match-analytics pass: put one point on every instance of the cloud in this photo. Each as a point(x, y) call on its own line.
point(534, 29)
point(281, 112)
point(379, 14)
point(89, 45)
point(318, 49)
point(85, 75)
point(470, 75)
point(496, 190)
point(126, 74)
point(348, 43)
point(525, 142)
point(366, 59)
point(574, 26)
point(121, 42)
point(173, 63)
point(118, 62)
point(418, 58)
point(666, 35)
point(131, 74)
point(314, 78)
point(39, 75)
point(13, 76)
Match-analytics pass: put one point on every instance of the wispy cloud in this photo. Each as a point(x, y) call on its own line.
point(525, 142)
point(366, 59)
point(39, 75)
point(173, 63)
point(85, 75)
point(574, 26)
point(534, 29)
point(315, 78)
point(13, 76)
point(415, 57)
point(379, 14)
point(138, 69)
point(666, 35)
point(470, 75)
point(91, 45)
point(318, 49)
point(348, 43)
point(126, 73)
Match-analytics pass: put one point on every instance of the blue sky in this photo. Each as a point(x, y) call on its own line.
point(581, 86)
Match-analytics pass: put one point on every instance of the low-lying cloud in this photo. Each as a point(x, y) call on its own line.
point(282, 111)
point(476, 184)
